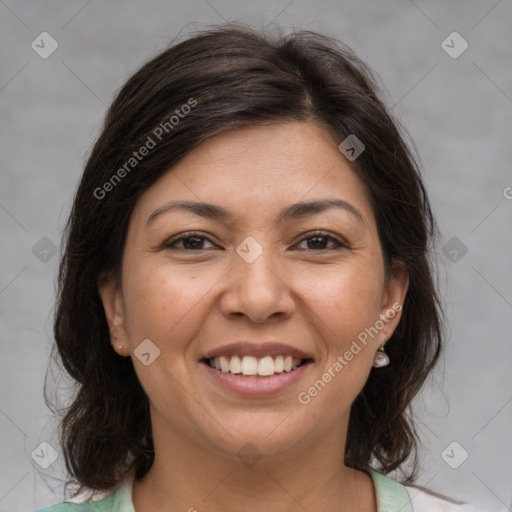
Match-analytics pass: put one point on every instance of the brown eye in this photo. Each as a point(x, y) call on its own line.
point(320, 242)
point(190, 242)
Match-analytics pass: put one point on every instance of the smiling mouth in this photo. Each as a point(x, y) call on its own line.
point(253, 366)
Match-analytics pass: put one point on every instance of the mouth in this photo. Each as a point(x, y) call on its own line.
point(256, 369)
point(251, 366)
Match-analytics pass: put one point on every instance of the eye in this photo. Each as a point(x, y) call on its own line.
point(316, 241)
point(319, 240)
point(190, 242)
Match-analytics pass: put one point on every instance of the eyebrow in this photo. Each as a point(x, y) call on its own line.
point(292, 212)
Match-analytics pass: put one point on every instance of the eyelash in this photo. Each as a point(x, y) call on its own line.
point(171, 244)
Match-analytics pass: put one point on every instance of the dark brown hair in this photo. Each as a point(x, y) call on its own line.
point(233, 76)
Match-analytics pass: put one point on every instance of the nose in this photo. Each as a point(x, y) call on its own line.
point(257, 290)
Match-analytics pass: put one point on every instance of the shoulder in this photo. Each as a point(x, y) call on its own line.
point(74, 507)
point(118, 500)
point(102, 505)
point(392, 495)
point(423, 501)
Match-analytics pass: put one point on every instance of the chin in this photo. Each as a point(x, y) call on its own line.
point(253, 437)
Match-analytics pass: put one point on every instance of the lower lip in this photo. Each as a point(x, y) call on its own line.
point(256, 386)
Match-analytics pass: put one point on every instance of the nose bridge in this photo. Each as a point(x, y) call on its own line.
point(256, 264)
point(258, 268)
point(257, 289)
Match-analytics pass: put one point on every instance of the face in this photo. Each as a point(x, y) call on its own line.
point(257, 281)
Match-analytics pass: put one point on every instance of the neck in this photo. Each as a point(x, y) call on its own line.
point(188, 476)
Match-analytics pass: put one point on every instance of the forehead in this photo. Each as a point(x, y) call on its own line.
point(259, 169)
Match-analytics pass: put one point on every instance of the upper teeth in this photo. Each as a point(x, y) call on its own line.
point(249, 365)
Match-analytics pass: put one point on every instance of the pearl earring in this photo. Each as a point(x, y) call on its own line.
point(381, 358)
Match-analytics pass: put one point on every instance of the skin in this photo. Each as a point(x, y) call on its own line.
point(189, 301)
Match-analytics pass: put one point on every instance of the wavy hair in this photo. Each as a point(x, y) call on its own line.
point(237, 76)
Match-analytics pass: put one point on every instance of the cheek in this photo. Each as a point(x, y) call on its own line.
point(345, 300)
point(164, 305)
point(343, 304)
point(161, 301)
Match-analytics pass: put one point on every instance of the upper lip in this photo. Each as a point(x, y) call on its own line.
point(248, 348)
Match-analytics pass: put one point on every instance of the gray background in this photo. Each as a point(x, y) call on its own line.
point(458, 111)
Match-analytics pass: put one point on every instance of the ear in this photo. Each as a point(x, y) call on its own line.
point(112, 299)
point(393, 297)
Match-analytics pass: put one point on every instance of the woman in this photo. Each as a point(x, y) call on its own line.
point(245, 299)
